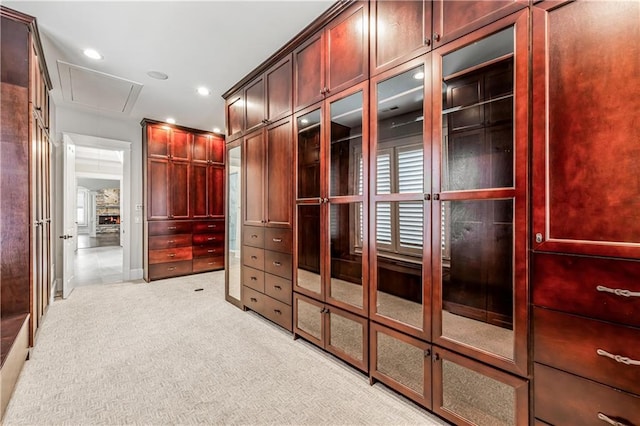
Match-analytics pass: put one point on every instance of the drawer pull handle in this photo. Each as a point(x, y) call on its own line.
point(253, 299)
point(618, 358)
point(211, 238)
point(173, 268)
point(172, 242)
point(277, 287)
point(618, 291)
point(171, 228)
point(172, 255)
point(210, 263)
point(254, 279)
point(211, 226)
point(210, 251)
point(277, 311)
point(277, 240)
point(254, 257)
point(606, 419)
point(275, 263)
point(254, 236)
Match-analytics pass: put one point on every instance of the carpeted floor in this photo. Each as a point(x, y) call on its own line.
point(162, 353)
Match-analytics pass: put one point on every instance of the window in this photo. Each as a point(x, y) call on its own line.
point(81, 207)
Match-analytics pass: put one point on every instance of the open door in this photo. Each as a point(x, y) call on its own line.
point(69, 217)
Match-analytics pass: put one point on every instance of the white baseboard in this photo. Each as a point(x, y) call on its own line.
point(136, 274)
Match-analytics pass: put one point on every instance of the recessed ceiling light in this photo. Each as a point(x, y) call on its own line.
point(92, 53)
point(204, 91)
point(157, 75)
point(171, 120)
point(217, 130)
point(419, 75)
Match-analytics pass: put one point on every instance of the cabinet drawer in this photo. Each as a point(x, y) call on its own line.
point(208, 251)
point(578, 285)
point(278, 239)
point(208, 239)
point(253, 236)
point(169, 227)
point(564, 399)
point(253, 278)
point(169, 241)
point(252, 299)
point(278, 288)
point(208, 227)
point(253, 257)
point(278, 312)
point(172, 269)
point(208, 263)
point(573, 343)
point(277, 264)
point(169, 255)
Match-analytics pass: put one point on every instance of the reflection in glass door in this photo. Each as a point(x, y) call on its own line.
point(234, 223)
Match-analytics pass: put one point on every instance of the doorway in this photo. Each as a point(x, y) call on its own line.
point(97, 188)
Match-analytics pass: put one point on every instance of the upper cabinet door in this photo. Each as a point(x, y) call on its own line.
point(253, 162)
point(235, 115)
point(347, 47)
point(200, 148)
point(180, 145)
point(254, 104)
point(400, 30)
point(308, 63)
point(279, 162)
point(158, 138)
point(452, 19)
point(586, 98)
point(279, 82)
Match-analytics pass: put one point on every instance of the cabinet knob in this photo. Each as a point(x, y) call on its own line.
point(277, 287)
point(277, 311)
point(275, 263)
point(253, 299)
point(427, 42)
point(436, 36)
point(436, 197)
point(539, 238)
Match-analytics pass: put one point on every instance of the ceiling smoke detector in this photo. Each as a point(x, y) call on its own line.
point(157, 75)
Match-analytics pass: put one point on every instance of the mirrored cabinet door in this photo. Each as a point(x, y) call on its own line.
point(468, 392)
point(479, 229)
point(309, 264)
point(234, 224)
point(399, 209)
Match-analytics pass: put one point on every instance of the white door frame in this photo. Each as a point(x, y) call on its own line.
point(125, 183)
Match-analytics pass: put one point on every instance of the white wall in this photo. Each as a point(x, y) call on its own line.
point(69, 120)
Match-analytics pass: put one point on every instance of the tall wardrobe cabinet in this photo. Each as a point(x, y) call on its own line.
point(25, 186)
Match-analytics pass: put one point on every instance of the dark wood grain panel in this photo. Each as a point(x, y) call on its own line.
point(586, 145)
point(209, 226)
point(253, 300)
point(347, 55)
point(277, 287)
point(200, 151)
point(208, 239)
point(216, 149)
point(179, 188)
point(235, 115)
point(181, 144)
point(398, 28)
point(253, 257)
point(208, 263)
point(253, 157)
point(308, 72)
point(169, 227)
point(253, 278)
point(198, 190)
point(158, 140)
point(254, 104)
point(279, 89)
point(571, 343)
point(278, 239)
point(570, 284)
point(208, 250)
point(171, 269)
point(157, 189)
point(279, 174)
point(253, 236)
point(278, 264)
point(564, 399)
point(169, 241)
point(169, 255)
point(215, 191)
point(14, 66)
point(15, 225)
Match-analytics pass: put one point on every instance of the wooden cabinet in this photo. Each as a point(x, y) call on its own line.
point(401, 30)
point(25, 188)
point(235, 115)
point(585, 233)
point(184, 191)
point(338, 332)
point(334, 59)
point(268, 156)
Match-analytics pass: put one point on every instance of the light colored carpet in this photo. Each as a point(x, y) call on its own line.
point(161, 353)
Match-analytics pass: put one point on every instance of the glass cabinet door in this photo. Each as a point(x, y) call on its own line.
point(480, 214)
point(234, 223)
point(400, 175)
point(347, 222)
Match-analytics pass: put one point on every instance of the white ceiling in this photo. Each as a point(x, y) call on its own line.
point(201, 43)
